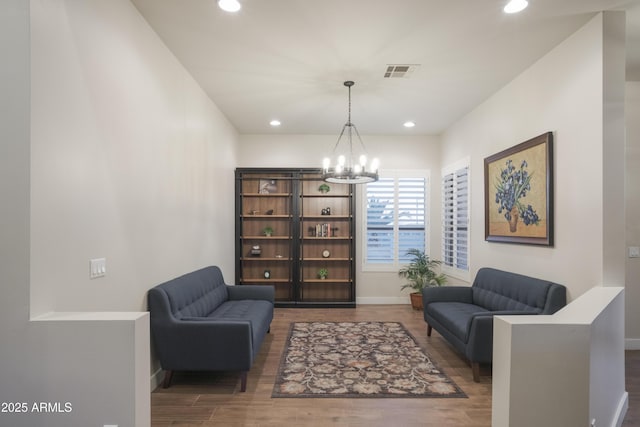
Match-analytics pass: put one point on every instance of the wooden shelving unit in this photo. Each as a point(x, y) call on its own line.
point(312, 230)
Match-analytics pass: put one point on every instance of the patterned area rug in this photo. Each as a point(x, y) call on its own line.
point(363, 359)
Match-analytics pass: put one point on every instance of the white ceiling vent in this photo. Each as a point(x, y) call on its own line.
point(400, 71)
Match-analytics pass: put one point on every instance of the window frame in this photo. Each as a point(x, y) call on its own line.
point(452, 270)
point(396, 175)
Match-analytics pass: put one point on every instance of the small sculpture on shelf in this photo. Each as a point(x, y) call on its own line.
point(256, 250)
point(326, 211)
point(323, 273)
point(269, 212)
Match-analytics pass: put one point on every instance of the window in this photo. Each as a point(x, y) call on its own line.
point(396, 212)
point(455, 218)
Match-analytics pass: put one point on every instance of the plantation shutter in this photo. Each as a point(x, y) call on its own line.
point(380, 221)
point(396, 217)
point(411, 216)
point(455, 215)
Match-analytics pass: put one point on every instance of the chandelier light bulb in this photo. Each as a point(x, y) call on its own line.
point(339, 168)
point(363, 160)
point(229, 5)
point(341, 160)
point(515, 6)
point(326, 162)
point(357, 168)
point(374, 165)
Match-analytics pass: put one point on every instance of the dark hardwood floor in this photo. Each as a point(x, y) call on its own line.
point(214, 399)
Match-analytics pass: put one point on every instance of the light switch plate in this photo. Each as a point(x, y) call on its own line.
point(97, 268)
point(634, 252)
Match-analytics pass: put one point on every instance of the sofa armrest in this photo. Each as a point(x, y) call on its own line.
point(480, 343)
point(256, 292)
point(447, 294)
point(204, 344)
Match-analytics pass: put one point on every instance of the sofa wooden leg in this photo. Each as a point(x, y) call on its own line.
point(429, 329)
point(243, 381)
point(167, 379)
point(475, 367)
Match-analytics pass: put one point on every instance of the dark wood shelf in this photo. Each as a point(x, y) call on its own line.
point(265, 195)
point(295, 204)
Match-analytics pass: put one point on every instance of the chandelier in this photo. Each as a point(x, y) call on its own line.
point(350, 167)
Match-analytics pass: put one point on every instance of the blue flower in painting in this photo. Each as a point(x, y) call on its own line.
point(513, 185)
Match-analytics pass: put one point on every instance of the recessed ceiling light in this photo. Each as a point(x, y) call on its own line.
point(515, 6)
point(229, 5)
point(275, 123)
point(409, 124)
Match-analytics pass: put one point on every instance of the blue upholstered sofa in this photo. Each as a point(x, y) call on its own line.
point(198, 323)
point(463, 315)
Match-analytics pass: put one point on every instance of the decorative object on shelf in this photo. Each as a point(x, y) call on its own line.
point(268, 231)
point(267, 274)
point(269, 212)
point(519, 193)
point(326, 211)
point(256, 250)
point(253, 212)
point(324, 188)
point(267, 186)
point(326, 253)
point(349, 168)
point(420, 273)
point(323, 273)
point(323, 230)
point(279, 256)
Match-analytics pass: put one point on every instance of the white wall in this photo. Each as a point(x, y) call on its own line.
point(394, 152)
point(109, 149)
point(563, 93)
point(562, 370)
point(130, 161)
point(632, 185)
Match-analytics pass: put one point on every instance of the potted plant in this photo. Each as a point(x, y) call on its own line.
point(323, 273)
point(324, 188)
point(268, 231)
point(420, 273)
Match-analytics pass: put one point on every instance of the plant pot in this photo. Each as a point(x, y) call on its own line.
point(416, 300)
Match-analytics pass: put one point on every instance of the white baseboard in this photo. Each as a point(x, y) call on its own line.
point(156, 379)
point(632, 344)
point(621, 411)
point(383, 300)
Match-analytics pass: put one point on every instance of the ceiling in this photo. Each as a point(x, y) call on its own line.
point(288, 59)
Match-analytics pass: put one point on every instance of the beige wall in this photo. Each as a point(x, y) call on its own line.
point(109, 149)
point(633, 213)
point(130, 161)
point(561, 93)
point(394, 152)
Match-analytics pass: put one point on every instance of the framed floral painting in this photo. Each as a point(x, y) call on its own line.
point(518, 186)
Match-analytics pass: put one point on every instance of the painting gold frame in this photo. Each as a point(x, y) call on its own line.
point(518, 187)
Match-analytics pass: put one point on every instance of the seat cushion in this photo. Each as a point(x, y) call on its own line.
point(455, 316)
point(258, 312)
